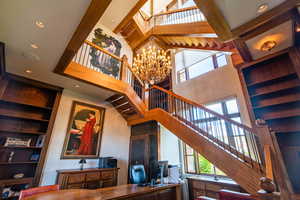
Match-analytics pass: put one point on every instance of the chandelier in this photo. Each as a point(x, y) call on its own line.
point(152, 65)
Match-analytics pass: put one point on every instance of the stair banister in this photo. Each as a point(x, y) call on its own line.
point(244, 143)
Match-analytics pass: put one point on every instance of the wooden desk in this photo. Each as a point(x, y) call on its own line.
point(88, 178)
point(124, 192)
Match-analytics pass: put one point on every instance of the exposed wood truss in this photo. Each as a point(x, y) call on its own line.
point(89, 20)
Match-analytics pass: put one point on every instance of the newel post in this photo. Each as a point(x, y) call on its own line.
point(124, 63)
point(274, 165)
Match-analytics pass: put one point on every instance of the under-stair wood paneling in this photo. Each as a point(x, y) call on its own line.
point(241, 172)
point(272, 89)
point(87, 75)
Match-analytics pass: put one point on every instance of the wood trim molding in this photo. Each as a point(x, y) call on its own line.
point(89, 20)
point(215, 18)
point(2, 60)
point(243, 50)
point(130, 15)
point(264, 18)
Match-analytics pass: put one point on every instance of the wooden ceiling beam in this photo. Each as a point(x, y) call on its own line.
point(264, 18)
point(91, 17)
point(243, 50)
point(215, 18)
point(130, 15)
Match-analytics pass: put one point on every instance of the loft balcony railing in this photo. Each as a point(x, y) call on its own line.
point(178, 16)
point(101, 60)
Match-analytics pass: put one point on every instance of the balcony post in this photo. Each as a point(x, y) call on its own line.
point(123, 70)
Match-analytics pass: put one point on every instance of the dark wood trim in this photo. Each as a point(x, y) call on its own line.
point(129, 16)
point(89, 20)
point(3, 86)
point(245, 65)
point(34, 82)
point(215, 18)
point(272, 23)
point(2, 60)
point(294, 55)
point(243, 50)
point(43, 155)
point(264, 18)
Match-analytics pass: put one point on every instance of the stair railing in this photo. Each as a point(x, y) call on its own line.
point(103, 61)
point(228, 134)
point(179, 16)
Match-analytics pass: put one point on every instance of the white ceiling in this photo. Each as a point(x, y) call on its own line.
point(282, 35)
point(238, 12)
point(61, 18)
point(116, 11)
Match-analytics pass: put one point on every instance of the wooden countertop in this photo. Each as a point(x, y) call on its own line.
point(85, 170)
point(110, 193)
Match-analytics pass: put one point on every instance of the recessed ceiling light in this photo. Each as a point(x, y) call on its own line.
point(39, 24)
point(268, 45)
point(77, 86)
point(263, 8)
point(28, 71)
point(34, 46)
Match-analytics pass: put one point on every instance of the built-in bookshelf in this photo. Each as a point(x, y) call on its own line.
point(27, 113)
point(272, 88)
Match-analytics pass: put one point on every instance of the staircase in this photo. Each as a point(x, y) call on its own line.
point(237, 155)
point(204, 131)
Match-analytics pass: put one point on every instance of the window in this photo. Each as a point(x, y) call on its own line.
point(197, 164)
point(193, 63)
point(228, 108)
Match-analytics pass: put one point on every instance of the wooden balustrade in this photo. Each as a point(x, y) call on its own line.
point(230, 135)
point(101, 60)
point(179, 16)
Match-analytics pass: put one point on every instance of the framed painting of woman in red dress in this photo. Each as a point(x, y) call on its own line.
point(84, 134)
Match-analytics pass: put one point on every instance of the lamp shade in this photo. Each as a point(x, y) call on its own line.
point(82, 161)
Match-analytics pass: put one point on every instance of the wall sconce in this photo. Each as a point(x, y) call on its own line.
point(268, 46)
point(82, 162)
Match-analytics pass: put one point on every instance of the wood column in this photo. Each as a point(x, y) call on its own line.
point(294, 55)
point(123, 71)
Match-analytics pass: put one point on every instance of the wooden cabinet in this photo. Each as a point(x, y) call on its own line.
point(87, 178)
point(144, 145)
point(27, 114)
point(207, 188)
point(272, 90)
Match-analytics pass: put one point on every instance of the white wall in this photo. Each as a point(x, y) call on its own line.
point(213, 86)
point(169, 148)
point(115, 139)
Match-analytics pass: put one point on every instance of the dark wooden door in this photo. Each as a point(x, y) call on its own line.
point(140, 151)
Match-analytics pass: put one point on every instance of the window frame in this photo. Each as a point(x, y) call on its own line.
point(230, 136)
point(186, 68)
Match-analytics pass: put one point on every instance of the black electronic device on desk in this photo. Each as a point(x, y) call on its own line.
point(108, 162)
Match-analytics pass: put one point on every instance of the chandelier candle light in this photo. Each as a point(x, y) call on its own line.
point(152, 65)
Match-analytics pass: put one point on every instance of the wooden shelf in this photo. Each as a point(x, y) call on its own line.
point(25, 104)
point(17, 163)
point(22, 117)
point(277, 89)
point(273, 79)
point(16, 181)
point(20, 147)
point(22, 131)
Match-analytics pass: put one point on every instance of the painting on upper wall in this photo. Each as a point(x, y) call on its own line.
point(105, 63)
point(83, 138)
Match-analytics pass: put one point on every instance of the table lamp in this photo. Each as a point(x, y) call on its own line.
point(82, 162)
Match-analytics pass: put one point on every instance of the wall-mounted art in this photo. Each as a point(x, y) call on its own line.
point(105, 63)
point(83, 138)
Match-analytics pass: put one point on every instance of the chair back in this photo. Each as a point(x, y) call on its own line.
point(137, 174)
point(231, 195)
point(37, 190)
